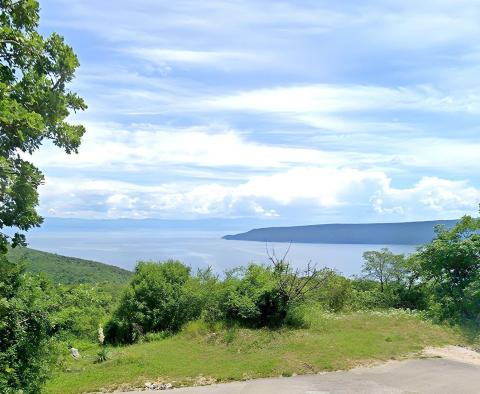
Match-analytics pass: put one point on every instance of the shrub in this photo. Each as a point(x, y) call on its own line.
point(297, 316)
point(102, 355)
point(81, 309)
point(207, 289)
point(158, 298)
point(260, 295)
point(336, 294)
point(369, 299)
point(25, 330)
point(155, 336)
point(198, 328)
point(252, 297)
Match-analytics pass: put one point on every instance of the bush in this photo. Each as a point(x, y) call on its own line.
point(298, 316)
point(81, 308)
point(252, 297)
point(155, 336)
point(200, 328)
point(25, 330)
point(369, 299)
point(259, 295)
point(207, 289)
point(158, 298)
point(409, 297)
point(336, 294)
point(103, 355)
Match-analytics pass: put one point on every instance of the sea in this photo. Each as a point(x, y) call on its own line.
point(199, 249)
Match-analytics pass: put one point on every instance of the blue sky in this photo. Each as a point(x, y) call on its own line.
point(295, 111)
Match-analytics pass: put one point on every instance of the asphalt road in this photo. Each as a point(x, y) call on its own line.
point(434, 375)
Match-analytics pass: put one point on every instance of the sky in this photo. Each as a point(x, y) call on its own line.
point(289, 111)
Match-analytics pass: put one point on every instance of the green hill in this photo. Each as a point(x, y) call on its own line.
point(68, 270)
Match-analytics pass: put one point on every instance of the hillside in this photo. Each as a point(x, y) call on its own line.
point(69, 270)
point(408, 233)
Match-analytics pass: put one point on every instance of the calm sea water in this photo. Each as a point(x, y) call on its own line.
point(198, 249)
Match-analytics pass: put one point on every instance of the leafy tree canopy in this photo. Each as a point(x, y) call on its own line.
point(450, 265)
point(159, 297)
point(34, 105)
point(382, 265)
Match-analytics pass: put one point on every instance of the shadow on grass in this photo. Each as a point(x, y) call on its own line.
point(470, 331)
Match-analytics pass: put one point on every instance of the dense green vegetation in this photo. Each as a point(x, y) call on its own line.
point(35, 103)
point(26, 330)
point(449, 270)
point(290, 314)
point(163, 297)
point(168, 320)
point(442, 279)
point(68, 270)
point(158, 298)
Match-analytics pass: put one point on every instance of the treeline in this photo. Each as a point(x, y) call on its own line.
point(442, 278)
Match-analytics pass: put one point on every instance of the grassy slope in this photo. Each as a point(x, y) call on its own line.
point(69, 270)
point(332, 342)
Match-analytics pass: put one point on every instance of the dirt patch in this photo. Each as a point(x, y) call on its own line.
point(454, 353)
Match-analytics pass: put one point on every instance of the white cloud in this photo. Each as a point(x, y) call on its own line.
point(327, 98)
point(454, 155)
point(111, 146)
point(325, 187)
point(336, 74)
point(216, 59)
point(310, 189)
point(438, 197)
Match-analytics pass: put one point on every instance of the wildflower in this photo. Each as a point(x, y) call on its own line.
point(101, 337)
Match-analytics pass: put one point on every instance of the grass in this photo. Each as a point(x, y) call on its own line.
point(68, 270)
point(199, 355)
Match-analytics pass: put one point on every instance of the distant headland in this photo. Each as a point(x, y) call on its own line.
point(407, 233)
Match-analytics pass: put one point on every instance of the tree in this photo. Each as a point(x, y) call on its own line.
point(295, 284)
point(34, 105)
point(382, 265)
point(450, 266)
point(158, 298)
